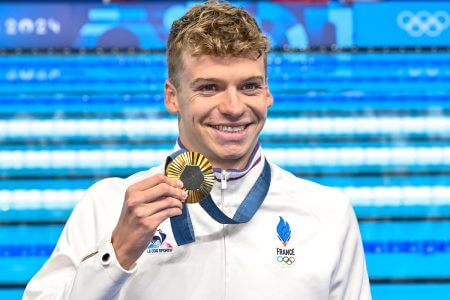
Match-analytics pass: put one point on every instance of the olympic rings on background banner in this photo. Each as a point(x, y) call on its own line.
point(423, 22)
point(285, 260)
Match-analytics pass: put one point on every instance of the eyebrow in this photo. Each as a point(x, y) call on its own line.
point(203, 80)
point(256, 78)
point(198, 81)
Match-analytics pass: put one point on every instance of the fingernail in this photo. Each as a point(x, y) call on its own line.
point(184, 194)
point(180, 184)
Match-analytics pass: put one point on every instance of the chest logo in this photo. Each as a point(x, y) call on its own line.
point(285, 255)
point(159, 244)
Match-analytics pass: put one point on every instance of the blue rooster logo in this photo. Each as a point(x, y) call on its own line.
point(284, 231)
point(158, 239)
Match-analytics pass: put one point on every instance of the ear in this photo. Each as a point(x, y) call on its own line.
point(170, 97)
point(269, 97)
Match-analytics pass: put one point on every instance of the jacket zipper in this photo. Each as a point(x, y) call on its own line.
point(224, 175)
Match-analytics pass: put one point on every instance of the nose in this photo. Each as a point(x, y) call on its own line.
point(232, 105)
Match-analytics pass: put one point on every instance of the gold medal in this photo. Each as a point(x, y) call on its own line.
point(196, 173)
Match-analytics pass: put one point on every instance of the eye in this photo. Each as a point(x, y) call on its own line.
point(208, 88)
point(251, 87)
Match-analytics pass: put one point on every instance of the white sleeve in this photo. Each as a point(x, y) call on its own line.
point(100, 276)
point(350, 279)
point(83, 264)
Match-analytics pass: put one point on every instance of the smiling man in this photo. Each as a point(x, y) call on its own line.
point(261, 234)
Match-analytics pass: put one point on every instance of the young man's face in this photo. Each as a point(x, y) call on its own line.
point(222, 105)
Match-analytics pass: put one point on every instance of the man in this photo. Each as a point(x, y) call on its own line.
point(299, 241)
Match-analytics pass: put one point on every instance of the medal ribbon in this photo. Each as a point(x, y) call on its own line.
point(182, 226)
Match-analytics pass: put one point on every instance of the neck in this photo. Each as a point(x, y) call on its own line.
point(243, 165)
point(230, 164)
point(224, 163)
point(235, 166)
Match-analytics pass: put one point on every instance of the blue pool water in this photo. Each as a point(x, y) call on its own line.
point(374, 125)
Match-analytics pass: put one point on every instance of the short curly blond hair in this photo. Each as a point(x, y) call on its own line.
point(214, 28)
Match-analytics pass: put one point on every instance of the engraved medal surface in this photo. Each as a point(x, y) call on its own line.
point(196, 173)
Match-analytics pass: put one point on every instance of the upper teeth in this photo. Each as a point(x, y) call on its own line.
point(229, 128)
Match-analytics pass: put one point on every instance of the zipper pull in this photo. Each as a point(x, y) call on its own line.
point(223, 179)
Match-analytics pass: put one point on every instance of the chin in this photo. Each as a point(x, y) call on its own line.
point(230, 152)
point(232, 156)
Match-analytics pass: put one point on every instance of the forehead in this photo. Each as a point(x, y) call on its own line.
point(208, 66)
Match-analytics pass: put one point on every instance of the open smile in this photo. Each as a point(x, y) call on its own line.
point(229, 129)
point(231, 132)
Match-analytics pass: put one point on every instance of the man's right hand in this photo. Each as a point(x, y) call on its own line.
point(147, 204)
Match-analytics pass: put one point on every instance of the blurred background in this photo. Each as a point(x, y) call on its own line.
point(362, 103)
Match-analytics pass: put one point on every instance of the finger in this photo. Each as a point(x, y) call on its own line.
point(155, 207)
point(156, 219)
point(153, 181)
point(158, 192)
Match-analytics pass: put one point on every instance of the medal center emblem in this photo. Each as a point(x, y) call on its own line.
point(192, 177)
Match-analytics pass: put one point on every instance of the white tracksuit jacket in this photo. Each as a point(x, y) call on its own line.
point(323, 259)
